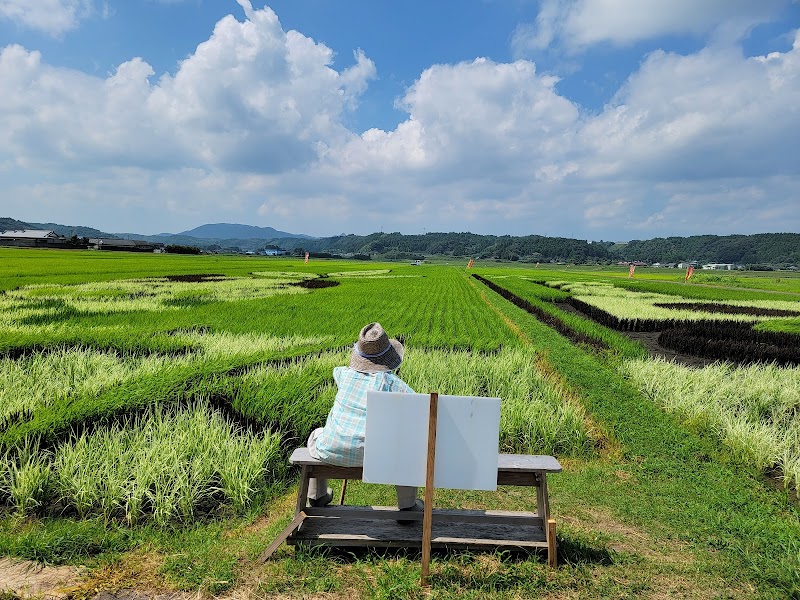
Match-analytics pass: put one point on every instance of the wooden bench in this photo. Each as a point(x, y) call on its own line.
point(376, 526)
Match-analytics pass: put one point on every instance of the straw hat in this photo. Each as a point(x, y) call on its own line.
point(374, 351)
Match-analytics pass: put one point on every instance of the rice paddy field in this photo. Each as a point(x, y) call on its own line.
point(149, 403)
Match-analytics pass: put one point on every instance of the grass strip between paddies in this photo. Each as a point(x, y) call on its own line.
point(676, 485)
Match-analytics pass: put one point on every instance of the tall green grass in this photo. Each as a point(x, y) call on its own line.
point(542, 297)
point(534, 416)
point(296, 397)
point(165, 465)
point(753, 410)
point(51, 393)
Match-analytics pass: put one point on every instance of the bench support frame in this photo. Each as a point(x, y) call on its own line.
point(335, 525)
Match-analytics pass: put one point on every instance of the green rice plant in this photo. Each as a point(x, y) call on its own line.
point(47, 392)
point(246, 464)
point(164, 465)
point(5, 475)
point(534, 417)
point(294, 397)
point(30, 479)
point(753, 410)
point(538, 300)
point(369, 273)
point(291, 275)
point(39, 304)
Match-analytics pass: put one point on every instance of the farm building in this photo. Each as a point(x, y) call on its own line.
point(29, 238)
point(719, 267)
point(124, 245)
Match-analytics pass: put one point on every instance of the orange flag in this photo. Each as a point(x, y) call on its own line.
point(471, 262)
point(306, 261)
point(630, 271)
point(689, 273)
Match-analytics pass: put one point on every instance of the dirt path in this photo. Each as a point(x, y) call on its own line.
point(27, 579)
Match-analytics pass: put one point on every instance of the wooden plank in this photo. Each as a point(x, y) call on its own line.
point(505, 462)
point(517, 478)
point(528, 463)
point(427, 522)
point(302, 491)
point(298, 519)
point(383, 534)
point(334, 472)
point(391, 513)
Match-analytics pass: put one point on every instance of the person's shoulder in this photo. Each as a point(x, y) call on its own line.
point(396, 384)
point(342, 373)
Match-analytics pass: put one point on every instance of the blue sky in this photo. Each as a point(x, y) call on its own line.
point(595, 119)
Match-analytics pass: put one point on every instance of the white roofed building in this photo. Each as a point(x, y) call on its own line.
point(29, 234)
point(31, 238)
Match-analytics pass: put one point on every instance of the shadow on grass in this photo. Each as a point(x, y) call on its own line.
point(570, 551)
point(395, 572)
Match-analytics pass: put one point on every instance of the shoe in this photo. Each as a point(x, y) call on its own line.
point(419, 506)
point(322, 500)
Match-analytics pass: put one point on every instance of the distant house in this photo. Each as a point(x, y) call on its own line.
point(30, 238)
point(274, 252)
point(719, 267)
point(124, 245)
point(29, 234)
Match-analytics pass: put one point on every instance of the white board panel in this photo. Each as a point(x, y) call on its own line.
point(396, 438)
point(396, 442)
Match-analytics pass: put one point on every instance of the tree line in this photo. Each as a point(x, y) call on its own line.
point(782, 249)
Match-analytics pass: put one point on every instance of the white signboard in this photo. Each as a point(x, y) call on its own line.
point(396, 440)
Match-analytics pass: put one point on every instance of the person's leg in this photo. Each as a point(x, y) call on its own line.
point(406, 496)
point(317, 487)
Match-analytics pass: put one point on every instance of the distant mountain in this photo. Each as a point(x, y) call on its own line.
point(9, 224)
point(231, 231)
point(70, 230)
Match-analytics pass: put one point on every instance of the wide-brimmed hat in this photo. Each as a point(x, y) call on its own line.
point(374, 351)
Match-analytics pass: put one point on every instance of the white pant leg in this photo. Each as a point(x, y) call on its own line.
point(317, 487)
point(406, 496)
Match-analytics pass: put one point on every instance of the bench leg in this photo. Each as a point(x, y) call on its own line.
point(551, 543)
point(296, 522)
point(542, 502)
point(302, 492)
point(543, 508)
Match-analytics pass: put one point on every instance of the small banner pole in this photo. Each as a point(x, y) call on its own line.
point(427, 517)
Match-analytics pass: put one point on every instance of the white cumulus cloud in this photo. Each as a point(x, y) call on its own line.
point(576, 24)
point(250, 126)
point(253, 97)
point(53, 17)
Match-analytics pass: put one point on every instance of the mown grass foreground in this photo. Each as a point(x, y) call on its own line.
point(148, 405)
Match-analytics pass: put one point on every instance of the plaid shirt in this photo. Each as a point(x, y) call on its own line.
point(342, 439)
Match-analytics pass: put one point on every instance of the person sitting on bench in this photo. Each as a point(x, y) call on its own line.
point(341, 441)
